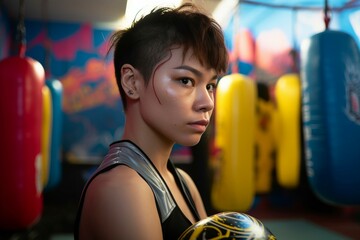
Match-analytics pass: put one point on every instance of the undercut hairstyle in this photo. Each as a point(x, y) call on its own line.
point(151, 38)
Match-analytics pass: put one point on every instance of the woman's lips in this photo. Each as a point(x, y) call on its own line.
point(199, 126)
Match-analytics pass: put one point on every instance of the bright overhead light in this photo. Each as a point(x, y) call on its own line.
point(136, 9)
point(222, 11)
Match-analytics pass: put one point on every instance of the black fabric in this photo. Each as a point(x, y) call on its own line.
point(180, 182)
point(174, 225)
point(177, 222)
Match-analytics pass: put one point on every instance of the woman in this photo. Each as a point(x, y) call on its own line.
point(166, 65)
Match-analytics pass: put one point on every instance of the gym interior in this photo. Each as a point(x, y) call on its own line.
point(286, 153)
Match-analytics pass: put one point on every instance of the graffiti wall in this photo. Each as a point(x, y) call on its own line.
point(264, 41)
point(4, 34)
point(76, 54)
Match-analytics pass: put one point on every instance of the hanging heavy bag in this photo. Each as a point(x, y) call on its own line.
point(21, 82)
point(46, 134)
point(288, 154)
point(234, 185)
point(55, 168)
point(330, 75)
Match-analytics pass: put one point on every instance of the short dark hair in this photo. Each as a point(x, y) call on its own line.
point(149, 40)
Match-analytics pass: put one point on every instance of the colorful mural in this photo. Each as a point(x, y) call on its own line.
point(264, 41)
point(264, 49)
point(76, 54)
point(5, 35)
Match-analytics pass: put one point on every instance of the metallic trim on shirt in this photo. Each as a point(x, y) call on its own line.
point(128, 154)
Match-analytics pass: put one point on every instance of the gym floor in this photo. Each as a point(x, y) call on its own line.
point(286, 217)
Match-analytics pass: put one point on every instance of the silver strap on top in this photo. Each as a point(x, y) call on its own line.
point(128, 154)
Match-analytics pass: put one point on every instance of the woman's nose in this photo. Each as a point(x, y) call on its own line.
point(205, 100)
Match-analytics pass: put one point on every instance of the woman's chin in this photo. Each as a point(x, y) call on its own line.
point(190, 142)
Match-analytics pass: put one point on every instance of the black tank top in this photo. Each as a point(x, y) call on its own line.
point(173, 221)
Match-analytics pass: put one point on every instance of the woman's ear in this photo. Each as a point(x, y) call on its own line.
point(129, 81)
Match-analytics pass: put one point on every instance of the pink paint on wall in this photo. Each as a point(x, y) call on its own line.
point(66, 48)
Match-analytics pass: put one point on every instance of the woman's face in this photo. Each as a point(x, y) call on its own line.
point(178, 102)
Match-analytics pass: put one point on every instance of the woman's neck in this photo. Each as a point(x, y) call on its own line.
point(156, 148)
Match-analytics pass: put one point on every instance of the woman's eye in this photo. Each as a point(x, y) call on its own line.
point(187, 81)
point(211, 87)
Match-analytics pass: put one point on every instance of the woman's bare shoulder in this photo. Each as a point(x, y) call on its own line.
point(119, 176)
point(116, 203)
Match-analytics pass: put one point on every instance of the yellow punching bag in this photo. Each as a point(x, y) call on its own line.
point(233, 185)
point(265, 146)
point(46, 134)
point(288, 98)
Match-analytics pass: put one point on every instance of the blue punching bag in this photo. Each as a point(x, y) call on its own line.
point(55, 168)
point(330, 75)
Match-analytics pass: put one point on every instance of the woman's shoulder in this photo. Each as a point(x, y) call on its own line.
point(116, 196)
point(118, 179)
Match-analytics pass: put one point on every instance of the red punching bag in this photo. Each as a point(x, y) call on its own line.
point(21, 83)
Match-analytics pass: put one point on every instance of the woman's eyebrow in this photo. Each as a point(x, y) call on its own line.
point(194, 71)
point(191, 69)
